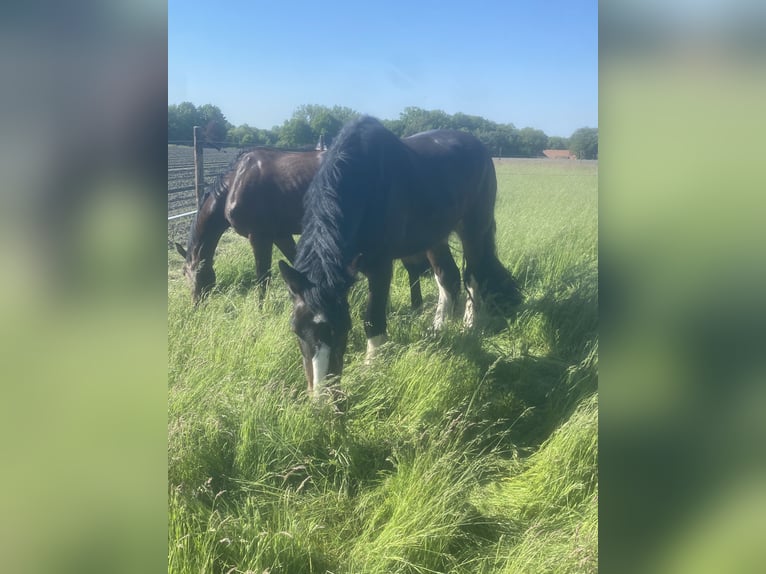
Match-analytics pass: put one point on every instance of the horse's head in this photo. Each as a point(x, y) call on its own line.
point(199, 273)
point(321, 325)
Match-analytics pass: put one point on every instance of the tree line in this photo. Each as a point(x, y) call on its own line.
point(308, 122)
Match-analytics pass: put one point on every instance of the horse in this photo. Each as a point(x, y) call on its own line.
point(376, 198)
point(260, 196)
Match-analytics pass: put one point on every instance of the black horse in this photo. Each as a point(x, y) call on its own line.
point(260, 195)
point(377, 198)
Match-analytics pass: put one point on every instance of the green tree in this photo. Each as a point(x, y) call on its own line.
point(344, 114)
point(173, 122)
point(471, 124)
point(557, 142)
point(214, 123)
point(584, 143)
point(414, 120)
point(181, 121)
point(393, 125)
point(310, 121)
point(322, 122)
point(532, 142)
point(247, 136)
point(500, 139)
point(508, 140)
point(183, 117)
point(296, 132)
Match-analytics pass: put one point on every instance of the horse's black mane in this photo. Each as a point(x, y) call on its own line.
point(324, 254)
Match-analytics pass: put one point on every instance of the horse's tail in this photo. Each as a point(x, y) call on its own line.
point(497, 286)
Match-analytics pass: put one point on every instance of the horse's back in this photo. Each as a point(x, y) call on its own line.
point(398, 196)
point(455, 154)
point(450, 176)
point(267, 188)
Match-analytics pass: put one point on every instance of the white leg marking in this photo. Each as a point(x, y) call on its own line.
point(444, 308)
point(372, 346)
point(320, 364)
point(472, 303)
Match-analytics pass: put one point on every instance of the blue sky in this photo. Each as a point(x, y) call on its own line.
point(527, 63)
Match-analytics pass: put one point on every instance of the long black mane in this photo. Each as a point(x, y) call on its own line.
point(333, 210)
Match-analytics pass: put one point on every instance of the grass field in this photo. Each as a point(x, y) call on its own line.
point(457, 452)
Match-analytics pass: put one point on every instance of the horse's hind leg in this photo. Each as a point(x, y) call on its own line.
point(448, 279)
point(486, 279)
point(286, 245)
point(379, 284)
point(262, 252)
point(415, 265)
point(474, 252)
point(473, 300)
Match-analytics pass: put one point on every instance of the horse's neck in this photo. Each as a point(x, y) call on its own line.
point(207, 233)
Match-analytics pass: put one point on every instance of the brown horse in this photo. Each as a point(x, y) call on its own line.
point(260, 196)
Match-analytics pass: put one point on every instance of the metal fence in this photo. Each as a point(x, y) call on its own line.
point(191, 167)
point(182, 184)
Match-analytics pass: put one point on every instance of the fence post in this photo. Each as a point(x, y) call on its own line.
point(199, 165)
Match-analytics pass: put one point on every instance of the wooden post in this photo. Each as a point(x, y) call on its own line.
point(199, 165)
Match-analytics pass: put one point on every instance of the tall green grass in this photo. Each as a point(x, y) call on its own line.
point(462, 451)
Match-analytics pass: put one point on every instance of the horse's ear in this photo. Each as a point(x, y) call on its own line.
point(181, 250)
point(296, 281)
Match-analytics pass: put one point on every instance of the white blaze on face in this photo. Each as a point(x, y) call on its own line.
point(320, 365)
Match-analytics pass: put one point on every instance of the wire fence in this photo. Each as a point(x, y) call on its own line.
point(182, 199)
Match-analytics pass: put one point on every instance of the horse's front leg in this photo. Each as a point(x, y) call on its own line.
point(379, 285)
point(262, 253)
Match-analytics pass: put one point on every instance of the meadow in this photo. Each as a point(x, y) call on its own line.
point(462, 451)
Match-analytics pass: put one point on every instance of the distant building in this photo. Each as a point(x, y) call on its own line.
point(559, 154)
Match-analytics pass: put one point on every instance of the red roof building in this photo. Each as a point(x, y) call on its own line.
point(558, 154)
